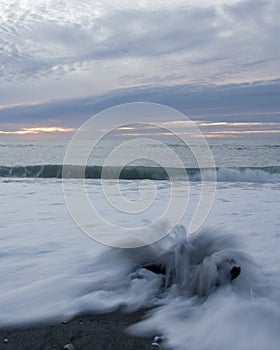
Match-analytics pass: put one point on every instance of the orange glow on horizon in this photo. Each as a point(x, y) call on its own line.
point(37, 130)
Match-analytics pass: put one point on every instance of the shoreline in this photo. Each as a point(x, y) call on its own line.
point(84, 332)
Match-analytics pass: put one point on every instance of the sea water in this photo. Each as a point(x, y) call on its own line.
point(50, 269)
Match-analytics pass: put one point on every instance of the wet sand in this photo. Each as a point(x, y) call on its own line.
point(90, 332)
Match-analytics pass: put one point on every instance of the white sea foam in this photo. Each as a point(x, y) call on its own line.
point(49, 269)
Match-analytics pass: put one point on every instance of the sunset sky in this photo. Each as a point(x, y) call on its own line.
point(216, 61)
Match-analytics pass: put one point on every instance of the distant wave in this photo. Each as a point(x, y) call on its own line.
point(238, 174)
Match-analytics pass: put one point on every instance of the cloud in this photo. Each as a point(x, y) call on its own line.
point(230, 104)
point(178, 40)
point(45, 43)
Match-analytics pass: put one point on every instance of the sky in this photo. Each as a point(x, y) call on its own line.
point(217, 61)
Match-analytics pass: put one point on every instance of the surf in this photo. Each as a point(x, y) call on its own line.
point(224, 174)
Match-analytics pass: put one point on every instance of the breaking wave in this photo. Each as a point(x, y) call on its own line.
point(238, 174)
point(192, 297)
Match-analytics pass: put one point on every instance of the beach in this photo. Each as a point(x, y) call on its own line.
point(100, 332)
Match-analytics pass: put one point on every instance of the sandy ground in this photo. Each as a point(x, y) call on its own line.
point(96, 332)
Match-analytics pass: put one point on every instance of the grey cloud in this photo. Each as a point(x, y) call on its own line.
point(256, 24)
point(54, 41)
point(236, 102)
point(143, 33)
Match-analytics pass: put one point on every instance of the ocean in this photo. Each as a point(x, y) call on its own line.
point(51, 269)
